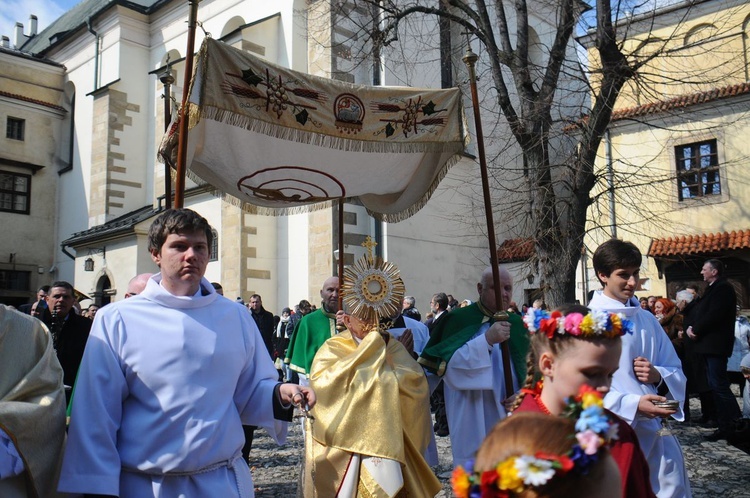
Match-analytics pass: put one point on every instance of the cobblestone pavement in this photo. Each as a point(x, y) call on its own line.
point(716, 470)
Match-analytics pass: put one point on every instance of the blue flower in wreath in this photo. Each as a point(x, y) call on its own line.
point(593, 418)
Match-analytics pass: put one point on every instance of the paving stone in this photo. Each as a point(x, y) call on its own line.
point(716, 469)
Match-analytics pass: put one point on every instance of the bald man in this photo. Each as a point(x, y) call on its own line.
point(464, 348)
point(313, 330)
point(137, 284)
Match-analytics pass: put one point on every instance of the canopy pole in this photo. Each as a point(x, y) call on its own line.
point(470, 59)
point(167, 80)
point(179, 184)
point(341, 251)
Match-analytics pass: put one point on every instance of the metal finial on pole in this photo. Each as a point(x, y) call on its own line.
point(470, 59)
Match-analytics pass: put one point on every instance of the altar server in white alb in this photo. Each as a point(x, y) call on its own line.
point(649, 372)
point(167, 380)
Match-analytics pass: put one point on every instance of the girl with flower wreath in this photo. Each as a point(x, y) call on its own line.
point(532, 455)
point(574, 347)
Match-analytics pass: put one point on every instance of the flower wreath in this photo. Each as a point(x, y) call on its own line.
point(595, 323)
point(594, 430)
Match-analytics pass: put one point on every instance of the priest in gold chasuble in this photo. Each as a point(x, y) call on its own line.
point(371, 425)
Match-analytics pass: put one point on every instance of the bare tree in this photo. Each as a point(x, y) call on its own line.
point(553, 177)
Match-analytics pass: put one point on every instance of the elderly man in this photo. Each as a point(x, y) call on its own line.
point(464, 349)
point(438, 307)
point(370, 441)
point(409, 308)
point(137, 284)
point(711, 326)
point(167, 381)
point(313, 330)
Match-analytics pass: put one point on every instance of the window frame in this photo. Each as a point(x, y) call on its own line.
point(214, 249)
point(696, 159)
point(14, 193)
point(21, 278)
point(18, 124)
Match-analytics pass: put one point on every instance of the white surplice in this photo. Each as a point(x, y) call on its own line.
point(421, 335)
point(474, 389)
point(165, 385)
point(666, 463)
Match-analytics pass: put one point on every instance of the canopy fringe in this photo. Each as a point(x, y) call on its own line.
point(319, 139)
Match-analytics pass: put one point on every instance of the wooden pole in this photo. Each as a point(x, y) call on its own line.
point(179, 184)
point(341, 252)
point(470, 59)
point(167, 80)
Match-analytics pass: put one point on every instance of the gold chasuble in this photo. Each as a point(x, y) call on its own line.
point(371, 423)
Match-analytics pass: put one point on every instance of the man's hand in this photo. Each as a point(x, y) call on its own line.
point(497, 333)
point(301, 396)
point(647, 407)
point(645, 371)
point(407, 339)
point(340, 318)
point(690, 333)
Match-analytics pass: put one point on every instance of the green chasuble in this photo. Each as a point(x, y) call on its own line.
point(310, 333)
point(460, 325)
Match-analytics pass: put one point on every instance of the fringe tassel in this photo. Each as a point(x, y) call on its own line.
point(321, 140)
point(417, 206)
point(309, 208)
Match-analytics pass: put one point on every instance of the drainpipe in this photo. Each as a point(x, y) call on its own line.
point(96, 54)
point(65, 251)
point(611, 182)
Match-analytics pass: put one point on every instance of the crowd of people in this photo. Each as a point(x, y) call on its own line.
point(165, 389)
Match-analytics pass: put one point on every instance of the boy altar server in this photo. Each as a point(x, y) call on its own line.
point(167, 380)
point(649, 372)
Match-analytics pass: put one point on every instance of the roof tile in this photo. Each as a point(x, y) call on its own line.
point(33, 101)
point(515, 250)
point(699, 244)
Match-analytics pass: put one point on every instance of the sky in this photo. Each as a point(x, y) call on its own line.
point(12, 11)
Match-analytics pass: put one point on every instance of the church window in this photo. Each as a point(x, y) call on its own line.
point(697, 170)
point(15, 190)
point(15, 128)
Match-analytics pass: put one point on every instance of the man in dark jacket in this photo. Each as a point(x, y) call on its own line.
point(264, 320)
point(69, 331)
point(712, 329)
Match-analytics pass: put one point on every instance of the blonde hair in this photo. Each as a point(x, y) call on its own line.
point(528, 433)
point(558, 346)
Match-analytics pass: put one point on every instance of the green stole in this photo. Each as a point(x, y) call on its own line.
point(309, 334)
point(460, 325)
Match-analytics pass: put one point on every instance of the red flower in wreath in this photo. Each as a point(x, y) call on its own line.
point(549, 325)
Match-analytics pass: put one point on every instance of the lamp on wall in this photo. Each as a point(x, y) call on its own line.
point(88, 264)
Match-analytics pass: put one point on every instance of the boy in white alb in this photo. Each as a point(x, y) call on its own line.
point(649, 369)
point(167, 380)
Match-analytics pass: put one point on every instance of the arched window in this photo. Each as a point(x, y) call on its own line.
point(700, 33)
point(214, 256)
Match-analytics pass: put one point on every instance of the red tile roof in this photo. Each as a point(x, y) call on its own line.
point(682, 101)
point(33, 101)
point(700, 244)
point(515, 250)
